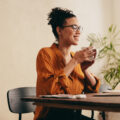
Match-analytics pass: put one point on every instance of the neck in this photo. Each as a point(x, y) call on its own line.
point(65, 49)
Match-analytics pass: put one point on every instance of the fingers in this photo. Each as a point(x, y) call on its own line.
point(95, 52)
point(89, 53)
point(87, 48)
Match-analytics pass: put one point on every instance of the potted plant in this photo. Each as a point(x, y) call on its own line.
point(108, 50)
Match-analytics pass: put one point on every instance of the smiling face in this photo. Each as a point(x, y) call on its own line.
point(69, 33)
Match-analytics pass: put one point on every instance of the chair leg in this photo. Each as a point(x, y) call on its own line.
point(103, 115)
point(92, 114)
point(20, 116)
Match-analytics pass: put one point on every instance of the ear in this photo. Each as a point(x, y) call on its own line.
point(58, 29)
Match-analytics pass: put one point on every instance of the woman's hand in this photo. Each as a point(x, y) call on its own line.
point(85, 57)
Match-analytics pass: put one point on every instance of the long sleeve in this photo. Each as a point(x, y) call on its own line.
point(87, 86)
point(89, 89)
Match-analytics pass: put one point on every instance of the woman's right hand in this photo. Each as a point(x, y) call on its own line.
point(85, 55)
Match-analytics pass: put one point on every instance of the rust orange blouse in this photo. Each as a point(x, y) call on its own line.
point(52, 80)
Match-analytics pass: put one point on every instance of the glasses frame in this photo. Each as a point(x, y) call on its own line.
point(74, 27)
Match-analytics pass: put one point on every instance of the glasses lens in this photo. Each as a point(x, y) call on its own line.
point(75, 27)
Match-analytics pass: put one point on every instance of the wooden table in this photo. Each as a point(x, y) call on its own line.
point(95, 101)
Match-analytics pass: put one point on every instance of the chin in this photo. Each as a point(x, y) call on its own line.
point(75, 43)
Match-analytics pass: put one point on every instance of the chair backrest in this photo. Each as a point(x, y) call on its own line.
point(16, 105)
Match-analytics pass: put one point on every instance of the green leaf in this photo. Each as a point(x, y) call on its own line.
point(104, 38)
point(110, 28)
point(114, 29)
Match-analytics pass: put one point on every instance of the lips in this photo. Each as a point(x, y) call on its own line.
point(76, 36)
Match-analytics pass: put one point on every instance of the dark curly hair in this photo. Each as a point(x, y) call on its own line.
point(57, 17)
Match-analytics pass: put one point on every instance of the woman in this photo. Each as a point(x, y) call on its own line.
point(61, 72)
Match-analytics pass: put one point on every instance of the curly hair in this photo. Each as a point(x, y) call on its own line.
point(57, 17)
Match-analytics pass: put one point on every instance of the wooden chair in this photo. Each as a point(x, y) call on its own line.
point(16, 105)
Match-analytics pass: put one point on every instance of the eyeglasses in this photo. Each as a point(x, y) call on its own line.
point(75, 27)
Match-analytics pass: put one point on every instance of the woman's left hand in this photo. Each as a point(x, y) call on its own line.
point(86, 65)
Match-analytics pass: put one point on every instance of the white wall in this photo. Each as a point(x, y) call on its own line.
point(116, 13)
point(24, 30)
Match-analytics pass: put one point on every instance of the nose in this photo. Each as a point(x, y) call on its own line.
point(78, 31)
